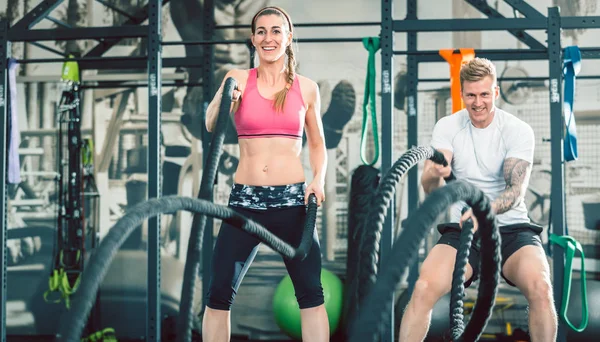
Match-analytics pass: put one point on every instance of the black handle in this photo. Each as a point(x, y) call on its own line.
point(309, 228)
point(439, 158)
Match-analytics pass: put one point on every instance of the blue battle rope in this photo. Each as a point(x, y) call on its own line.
point(571, 67)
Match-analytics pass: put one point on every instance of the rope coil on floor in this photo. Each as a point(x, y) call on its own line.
point(373, 317)
point(370, 234)
point(73, 323)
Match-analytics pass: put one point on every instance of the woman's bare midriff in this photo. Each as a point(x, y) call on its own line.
point(269, 161)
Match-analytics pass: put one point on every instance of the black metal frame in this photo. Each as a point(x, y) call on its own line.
point(22, 31)
point(153, 318)
point(4, 48)
point(553, 24)
point(153, 61)
point(107, 37)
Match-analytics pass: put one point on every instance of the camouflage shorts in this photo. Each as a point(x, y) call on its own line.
point(265, 197)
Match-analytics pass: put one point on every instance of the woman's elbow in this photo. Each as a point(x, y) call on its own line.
point(317, 143)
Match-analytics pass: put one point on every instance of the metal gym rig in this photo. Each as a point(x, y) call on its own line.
point(552, 23)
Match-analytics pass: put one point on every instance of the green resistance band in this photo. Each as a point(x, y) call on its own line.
point(569, 244)
point(372, 44)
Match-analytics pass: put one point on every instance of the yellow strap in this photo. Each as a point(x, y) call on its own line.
point(59, 282)
point(53, 285)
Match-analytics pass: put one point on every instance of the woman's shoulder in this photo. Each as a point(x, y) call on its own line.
point(308, 87)
point(306, 82)
point(238, 74)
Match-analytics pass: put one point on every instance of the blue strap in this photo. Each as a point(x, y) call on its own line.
point(571, 67)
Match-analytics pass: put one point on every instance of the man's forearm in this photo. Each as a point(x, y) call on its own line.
point(506, 201)
point(516, 175)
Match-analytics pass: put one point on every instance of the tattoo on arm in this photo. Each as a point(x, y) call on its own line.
point(516, 175)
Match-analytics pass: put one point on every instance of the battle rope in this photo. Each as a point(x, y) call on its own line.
point(362, 189)
point(373, 317)
point(370, 233)
point(73, 323)
point(185, 318)
point(457, 325)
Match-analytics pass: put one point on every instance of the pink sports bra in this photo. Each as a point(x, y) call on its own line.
point(257, 118)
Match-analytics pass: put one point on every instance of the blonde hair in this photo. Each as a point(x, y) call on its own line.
point(281, 95)
point(476, 70)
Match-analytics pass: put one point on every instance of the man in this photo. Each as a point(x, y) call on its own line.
point(493, 150)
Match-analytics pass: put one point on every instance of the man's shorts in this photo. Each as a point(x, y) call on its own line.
point(513, 238)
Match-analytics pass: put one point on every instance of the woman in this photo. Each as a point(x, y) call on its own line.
point(272, 107)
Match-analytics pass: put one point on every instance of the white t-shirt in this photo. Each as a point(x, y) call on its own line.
point(479, 154)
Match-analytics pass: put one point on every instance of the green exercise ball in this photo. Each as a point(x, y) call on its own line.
point(287, 312)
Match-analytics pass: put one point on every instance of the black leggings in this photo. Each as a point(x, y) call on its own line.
point(235, 250)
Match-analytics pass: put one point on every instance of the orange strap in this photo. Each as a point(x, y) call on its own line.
point(456, 58)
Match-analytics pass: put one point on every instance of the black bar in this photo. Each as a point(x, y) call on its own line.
point(26, 35)
point(412, 122)
point(477, 52)
point(524, 8)
point(557, 195)
point(590, 53)
point(243, 42)
point(184, 62)
point(207, 95)
point(387, 138)
point(3, 171)
point(521, 35)
point(503, 55)
point(36, 14)
point(567, 23)
point(360, 23)
point(489, 24)
point(139, 59)
point(500, 56)
point(116, 9)
point(500, 79)
point(139, 85)
point(153, 323)
point(139, 17)
point(47, 48)
point(105, 63)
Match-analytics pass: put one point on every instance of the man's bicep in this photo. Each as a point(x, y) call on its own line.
point(441, 139)
point(521, 144)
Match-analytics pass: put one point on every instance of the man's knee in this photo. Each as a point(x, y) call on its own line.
point(428, 291)
point(538, 291)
